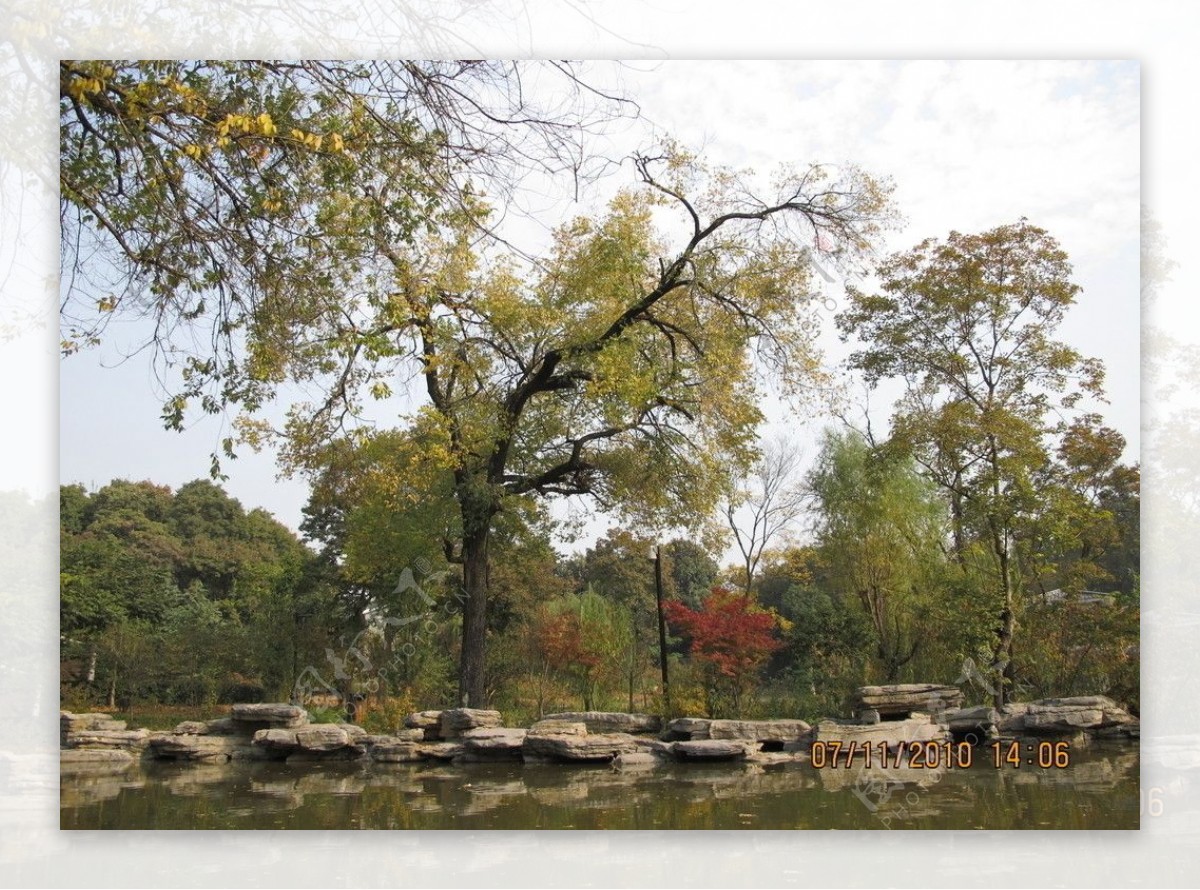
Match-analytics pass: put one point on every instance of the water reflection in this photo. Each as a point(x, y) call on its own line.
point(1099, 790)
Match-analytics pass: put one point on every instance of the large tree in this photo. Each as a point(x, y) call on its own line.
point(620, 366)
point(968, 324)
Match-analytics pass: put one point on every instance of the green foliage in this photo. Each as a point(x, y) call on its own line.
point(968, 324)
point(183, 597)
point(880, 531)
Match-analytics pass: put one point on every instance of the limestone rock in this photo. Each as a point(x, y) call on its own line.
point(589, 748)
point(440, 750)
point(494, 742)
point(225, 726)
point(653, 746)
point(456, 721)
point(191, 727)
point(283, 740)
point(428, 722)
point(981, 720)
point(95, 756)
point(75, 723)
point(128, 739)
point(322, 737)
point(868, 716)
point(270, 714)
point(394, 750)
point(687, 729)
point(917, 728)
point(354, 731)
point(758, 730)
point(558, 727)
point(170, 746)
point(1054, 716)
point(909, 698)
point(612, 721)
point(711, 749)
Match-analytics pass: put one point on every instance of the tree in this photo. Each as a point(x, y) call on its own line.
point(762, 504)
point(730, 637)
point(691, 570)
point(619, 367)
point(213, 591)
point(248, 198)
point(880, 532)
point(617, 568)
point(968, 324)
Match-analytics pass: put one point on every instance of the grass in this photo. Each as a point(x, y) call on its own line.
point(155, 716)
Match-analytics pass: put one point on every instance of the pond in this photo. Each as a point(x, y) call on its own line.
point(1099, 790)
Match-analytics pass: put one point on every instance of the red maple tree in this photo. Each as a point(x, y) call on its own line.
point(730, 636)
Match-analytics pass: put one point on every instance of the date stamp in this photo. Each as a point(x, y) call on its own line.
point(936, 755)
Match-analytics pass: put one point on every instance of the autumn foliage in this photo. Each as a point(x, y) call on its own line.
point(731, 636)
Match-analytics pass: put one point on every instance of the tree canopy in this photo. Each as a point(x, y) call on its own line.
point(318, 223)
point(968, 324)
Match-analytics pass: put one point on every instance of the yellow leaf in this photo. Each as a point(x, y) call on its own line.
point(266, 124)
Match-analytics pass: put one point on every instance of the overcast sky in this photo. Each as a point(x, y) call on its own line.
point(969, 145)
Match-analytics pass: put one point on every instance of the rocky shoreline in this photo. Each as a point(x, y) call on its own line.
point(890, 715)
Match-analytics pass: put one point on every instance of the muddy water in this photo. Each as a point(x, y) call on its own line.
point(1098, 790)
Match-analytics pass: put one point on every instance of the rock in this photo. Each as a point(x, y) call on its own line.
point(868, 716)
point(909, 698)
point(75, 723)
point(129, 739)
point(558, 727)
point(225, 726)
point(687, 729)
point(89, 756)
point(653, 746)
point(758, 730)
point(394, 750)
point(172, 746)
point(275, 715)
point(493, 742)
point(980, 721)
point(277, 740)
point(321, 738)
point(354, 731)
point(428, 722)
point(711, 749)
point(440, 750)
point(424, 720)
point(917, 728)
point(589, 748)
point(612, 721)
point(1053, 716)
point(191, 727)
point(456, 721)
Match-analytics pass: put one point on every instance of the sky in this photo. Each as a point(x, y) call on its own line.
point(969, 146)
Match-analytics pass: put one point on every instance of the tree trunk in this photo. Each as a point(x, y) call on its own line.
point(472, 689)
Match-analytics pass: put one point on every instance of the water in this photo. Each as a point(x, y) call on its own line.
point(1099, 790)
